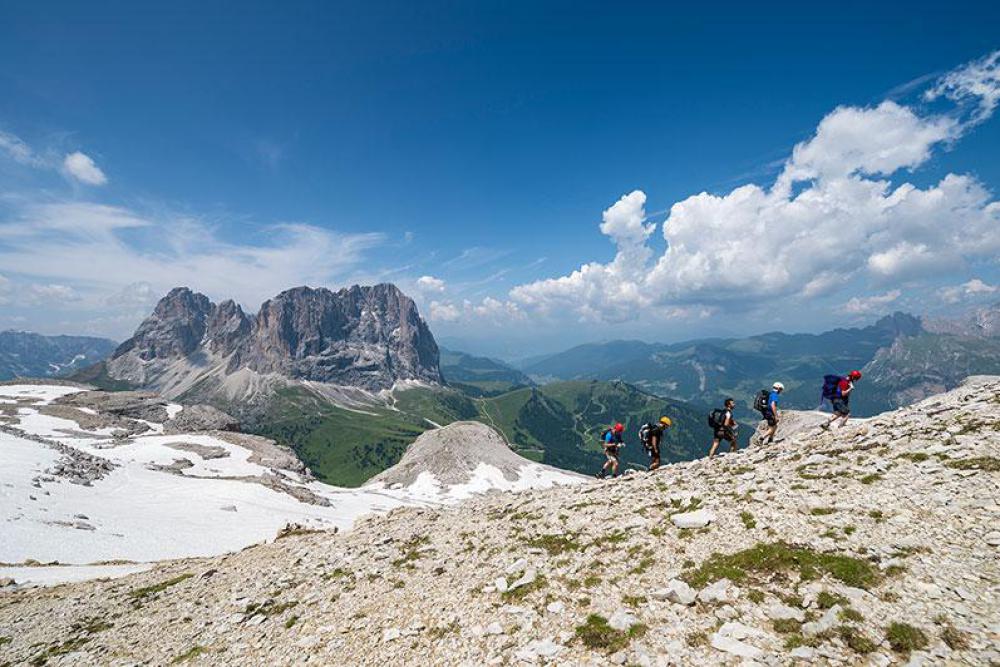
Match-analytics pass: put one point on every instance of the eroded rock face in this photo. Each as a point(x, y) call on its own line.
point(367, 337)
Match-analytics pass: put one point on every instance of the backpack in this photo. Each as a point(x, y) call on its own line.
point(644, 433)
point(717, 418)
point(831, 386)
point(604, 434)
point(762, 403)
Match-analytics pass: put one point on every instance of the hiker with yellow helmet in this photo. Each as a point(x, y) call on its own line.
point(651, 435)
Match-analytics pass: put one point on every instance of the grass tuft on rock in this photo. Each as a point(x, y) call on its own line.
point(904, 638)
point(987, 463)
point(555, 544)
point(140, 594)
point(765, 559)
point(856, 640)
point(597, 634)
point(189, 654)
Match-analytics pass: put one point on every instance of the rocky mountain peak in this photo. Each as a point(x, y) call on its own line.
point(362, 336)
point(900, 324)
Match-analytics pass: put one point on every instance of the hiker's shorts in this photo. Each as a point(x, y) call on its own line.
point(725, 434)
point(611, 453)
point(770, 418)
point(840, 406)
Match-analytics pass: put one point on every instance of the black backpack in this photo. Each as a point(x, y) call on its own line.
point(762, 403)
point(717, 418)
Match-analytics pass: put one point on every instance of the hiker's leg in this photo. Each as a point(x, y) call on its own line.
point(733, 444)
point(715, 445)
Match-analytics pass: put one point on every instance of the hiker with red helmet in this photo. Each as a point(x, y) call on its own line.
point(839, 393)
point(611, 439)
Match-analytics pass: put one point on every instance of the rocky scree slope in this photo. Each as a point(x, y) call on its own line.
point(364, 337)
point(876, 544)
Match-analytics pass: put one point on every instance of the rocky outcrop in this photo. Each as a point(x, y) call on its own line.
point(876, 544)
point(367, 337)
point(454, 455)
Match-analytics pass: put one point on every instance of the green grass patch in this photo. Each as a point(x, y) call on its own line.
point(189, 654)
point(904, 638)
point(987, 463)
point(766, 559)
point(916, 457)
point(822, 511)
point(634, 600)
point(522, 592)
point(748, 521)
point(555, 544)
point(855, 639)
point(850, 614)
point(292, 620)
point(826, 599)
point(140, 594)
point(786, 625)
point(596, 634)
point(871, 479)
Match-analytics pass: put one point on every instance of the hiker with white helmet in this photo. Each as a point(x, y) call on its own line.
point(767, 405)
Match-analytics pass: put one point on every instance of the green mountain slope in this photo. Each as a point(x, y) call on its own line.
point(480, 376)
point(558, 424)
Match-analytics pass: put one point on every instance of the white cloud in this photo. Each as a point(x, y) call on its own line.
point(4, 290)
point(976, 84)
point(82, 168)
point(19, 151)
point(489, 310)
point(134, 294)
point(444, 312)
point(870, 304)
point(113, 256)
point(51, 293)
point(969, 290)
point(430, 284)
point(832, 219)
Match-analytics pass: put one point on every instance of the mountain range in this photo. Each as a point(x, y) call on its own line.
point(903, 359)
point(348, 379)
point(24, 354)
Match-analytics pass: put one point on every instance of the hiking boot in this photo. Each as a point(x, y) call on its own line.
point(825, 426)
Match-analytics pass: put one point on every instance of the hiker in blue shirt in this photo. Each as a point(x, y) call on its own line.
point(770, 413)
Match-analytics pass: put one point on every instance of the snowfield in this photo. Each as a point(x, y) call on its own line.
point(167, 496)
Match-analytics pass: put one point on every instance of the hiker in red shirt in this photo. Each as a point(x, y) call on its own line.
point(842, 400)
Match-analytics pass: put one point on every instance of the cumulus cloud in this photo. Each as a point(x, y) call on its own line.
point(870, 304)
point(972, 289)
point(832, 218)
point(82, 168)
point(430, 284)
point(490, 310)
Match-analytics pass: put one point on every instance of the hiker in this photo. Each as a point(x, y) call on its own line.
point(651, 435)
point(724, 425)
point(769, 410)
point(611, 439)
point(838, 390)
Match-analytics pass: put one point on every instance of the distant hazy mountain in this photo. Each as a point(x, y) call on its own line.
point(24, 354)
point(480, 376)
point(706, 371)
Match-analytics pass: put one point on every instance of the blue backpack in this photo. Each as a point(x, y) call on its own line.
point(831, 386)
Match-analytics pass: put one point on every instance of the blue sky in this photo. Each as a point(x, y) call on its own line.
point(477, 145)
